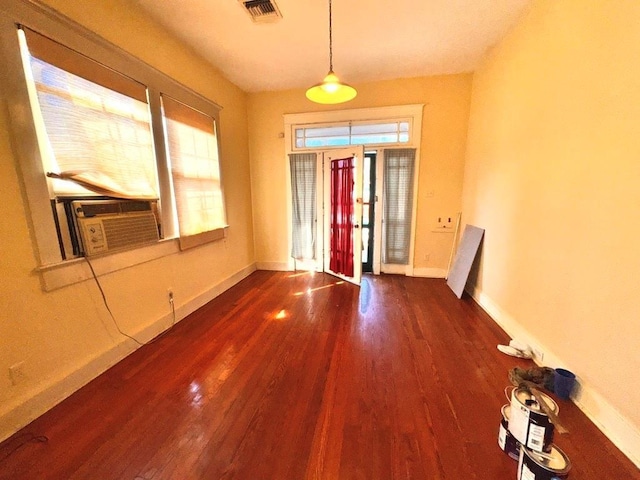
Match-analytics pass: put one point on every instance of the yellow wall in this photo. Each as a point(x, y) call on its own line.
point(444, 129)
point(65, 337)
point(553, 175)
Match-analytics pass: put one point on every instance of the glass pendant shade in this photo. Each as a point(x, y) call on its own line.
point(331, 90)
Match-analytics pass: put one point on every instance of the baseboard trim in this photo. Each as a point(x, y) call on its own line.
point(33, 404)
point(23, 410)
point(275, 266)
point(429, 272)
point(616, 427)
point(205, 297)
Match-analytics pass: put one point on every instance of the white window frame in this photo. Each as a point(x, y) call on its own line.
point(354, 123)
point(55, 272)
point(411, 112)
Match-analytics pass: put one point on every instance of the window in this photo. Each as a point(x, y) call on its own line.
point(195, 171)
point(106, 125)
point(399, 166)
point(93, 124)
point(360, 133)
point(303, 199)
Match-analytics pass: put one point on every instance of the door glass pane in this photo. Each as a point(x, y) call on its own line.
point(366, 184)
point(365, 214)
point(303, 201)
point(365, 244)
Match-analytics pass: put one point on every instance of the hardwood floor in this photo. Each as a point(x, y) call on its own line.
point(302, 376)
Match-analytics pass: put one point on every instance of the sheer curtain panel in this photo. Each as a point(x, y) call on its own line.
point(399, 166)
point(303, 192)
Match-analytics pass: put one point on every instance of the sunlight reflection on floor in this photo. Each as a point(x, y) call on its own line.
point(311, 290)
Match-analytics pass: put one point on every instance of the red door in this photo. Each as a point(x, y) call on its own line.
point(343, 205)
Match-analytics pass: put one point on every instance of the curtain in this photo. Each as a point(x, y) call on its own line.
point(399, 166)
point(303, 193)
point(341, 243)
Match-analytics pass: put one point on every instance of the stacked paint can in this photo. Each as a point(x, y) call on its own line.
point(507, 442)
point(553, 465)
point(526, 435)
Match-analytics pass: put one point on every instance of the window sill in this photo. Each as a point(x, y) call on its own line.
point(74, 271)
point(203, 238)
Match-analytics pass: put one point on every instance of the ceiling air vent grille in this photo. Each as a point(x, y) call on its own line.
point(261, 10)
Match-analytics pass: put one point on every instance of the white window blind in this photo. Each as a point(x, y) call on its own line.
point(303, 191)
point(399, 166)
point(195, 170)
point(93, 124)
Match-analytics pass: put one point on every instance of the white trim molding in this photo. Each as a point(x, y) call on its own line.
point(276, 266)
point(429, 272)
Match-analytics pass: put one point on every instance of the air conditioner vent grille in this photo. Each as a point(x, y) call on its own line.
point(261, 10)
point(130, 230)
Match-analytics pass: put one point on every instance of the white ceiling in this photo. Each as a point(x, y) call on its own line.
point(372, 39)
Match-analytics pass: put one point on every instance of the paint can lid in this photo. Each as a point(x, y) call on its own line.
point(556, 461)
point(526, 398)
point(506, 411)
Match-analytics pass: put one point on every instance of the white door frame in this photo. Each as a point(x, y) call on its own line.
point(414, 112)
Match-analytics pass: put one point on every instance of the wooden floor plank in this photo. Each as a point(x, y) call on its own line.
point(304, 376)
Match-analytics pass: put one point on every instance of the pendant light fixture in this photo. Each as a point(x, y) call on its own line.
point(331, 90)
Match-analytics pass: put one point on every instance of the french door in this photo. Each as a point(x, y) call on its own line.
point(342, 213)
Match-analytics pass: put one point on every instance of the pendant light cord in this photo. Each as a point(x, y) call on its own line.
point(330, 41)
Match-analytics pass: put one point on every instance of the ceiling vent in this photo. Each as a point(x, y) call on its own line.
point(261, 11)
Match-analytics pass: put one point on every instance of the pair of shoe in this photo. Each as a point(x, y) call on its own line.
point(516, 349)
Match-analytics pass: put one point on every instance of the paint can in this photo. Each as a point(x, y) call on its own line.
point(527, 421)
point(554, 465)
point(507, 442)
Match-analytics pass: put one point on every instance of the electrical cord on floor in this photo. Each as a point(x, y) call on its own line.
point(31, 438)
point(115, 322)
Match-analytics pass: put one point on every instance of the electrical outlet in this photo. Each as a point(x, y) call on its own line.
point(444, 224)
point(16, 373)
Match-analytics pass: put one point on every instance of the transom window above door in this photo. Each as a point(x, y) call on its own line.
point(387, 132)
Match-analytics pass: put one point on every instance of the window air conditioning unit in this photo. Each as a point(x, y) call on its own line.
point(111, 225)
